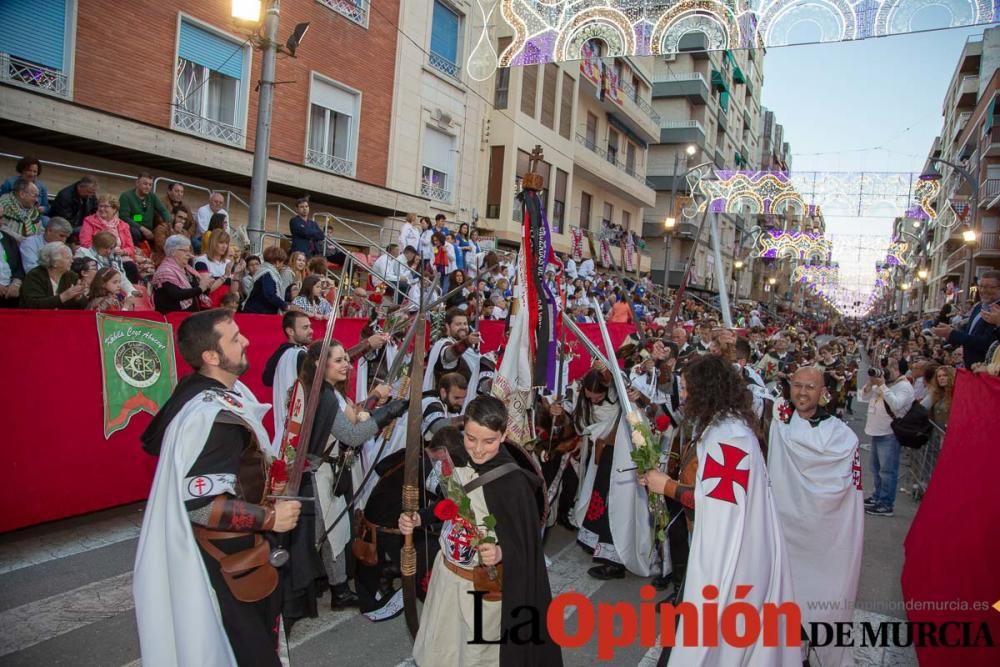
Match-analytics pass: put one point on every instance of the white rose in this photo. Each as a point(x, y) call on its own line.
point(637, 439)
point(634, 418)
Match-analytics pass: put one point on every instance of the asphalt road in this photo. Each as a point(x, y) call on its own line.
point(65, 595)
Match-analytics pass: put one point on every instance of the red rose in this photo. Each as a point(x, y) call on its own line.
point(279, 471)
point(446, 510)
point(662, 423)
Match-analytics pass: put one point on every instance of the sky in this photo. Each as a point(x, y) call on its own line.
point(870, 105)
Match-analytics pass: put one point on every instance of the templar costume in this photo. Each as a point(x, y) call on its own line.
point(203, 525)
point(446, 621)
point(467, 364)
point(280, 373)
point(611, 508)
point(737, 541)
point(815, 468)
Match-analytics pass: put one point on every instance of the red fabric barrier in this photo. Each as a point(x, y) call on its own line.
point(951, 546)
point(58, 462)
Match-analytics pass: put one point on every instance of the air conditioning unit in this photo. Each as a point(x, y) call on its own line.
point(669, 57)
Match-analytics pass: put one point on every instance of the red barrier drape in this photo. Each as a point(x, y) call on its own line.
point(951, 546)
point(57, 460)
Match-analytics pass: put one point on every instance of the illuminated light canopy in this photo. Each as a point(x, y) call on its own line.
point(777, 244)
point(554, 30)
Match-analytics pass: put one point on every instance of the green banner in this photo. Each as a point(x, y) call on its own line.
point(138, 369)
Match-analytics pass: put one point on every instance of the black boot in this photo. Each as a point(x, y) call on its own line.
point(341, 597)
point(607, 571)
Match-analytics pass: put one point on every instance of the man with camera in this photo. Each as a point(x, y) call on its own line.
point(888, 394)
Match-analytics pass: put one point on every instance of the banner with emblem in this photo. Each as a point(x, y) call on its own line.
point(137, 368)
point(576, 235)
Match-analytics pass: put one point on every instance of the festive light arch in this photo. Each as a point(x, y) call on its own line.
point(696, 16)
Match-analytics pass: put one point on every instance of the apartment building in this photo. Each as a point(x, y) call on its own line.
point(970, 138)
point(84, 91)
point(775, 153)
point(594, 122)
point(709, 100)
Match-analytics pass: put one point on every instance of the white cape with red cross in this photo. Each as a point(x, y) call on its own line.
point(816, 477)
point(737, 543)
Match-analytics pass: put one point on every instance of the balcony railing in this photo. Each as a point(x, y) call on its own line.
point(683, 76)
point(337, 165)
point(36, 77)
point(988, 190)
point(611, 158)
point(676, 124)
point(989, 241)
point(212, 129)
point(433, 192)
point(356, 10)
point(643, 105)
point(444, 65)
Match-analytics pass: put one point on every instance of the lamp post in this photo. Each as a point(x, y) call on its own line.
point(671, 222)
point(737, 267)
point(771, 282)
point(969, 235)
point(922, 274)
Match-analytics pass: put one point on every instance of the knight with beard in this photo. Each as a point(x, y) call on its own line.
point(282, 368)
point(207, 507)
point(456, 352)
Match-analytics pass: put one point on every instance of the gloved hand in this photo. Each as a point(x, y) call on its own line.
point(389, 411)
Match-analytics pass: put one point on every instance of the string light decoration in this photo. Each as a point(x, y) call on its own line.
point(554, 30)
point(803, 246)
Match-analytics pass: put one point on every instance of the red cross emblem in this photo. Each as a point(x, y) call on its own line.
point(728, 475)
point(856, 470)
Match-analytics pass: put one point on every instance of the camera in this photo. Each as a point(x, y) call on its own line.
point(875, 373)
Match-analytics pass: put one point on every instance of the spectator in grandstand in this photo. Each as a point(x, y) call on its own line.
point(976, 334)
point(106, 293)
point(307, 237)
point(106, 220)
point(426, 246)
point(265, 296)
point(58, 229)
point(29, 169)
point(310, 299)
point(175, 197)
point(52, 284)
point(75, 202)
point(139, 206)
point(177, 286)
point(246, 281)
point(205, 213)
point(86, 269)
point(11, 271)
point(216, 260)
point(19, 214)
point(409, 233)
point(297, 269)
point(104, 252)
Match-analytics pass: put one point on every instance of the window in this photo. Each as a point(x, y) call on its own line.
point(559, 205)
point(566, 107)
point(549, 84)
point(356, 10)
point(585, 200)
point(33, 45)
point(501, 82)
point(529, 89)
point(626, 220)
point(435, 175)
point(494, 183)
point(591, 131)
point(609, 212)
point(332, 128)
point(444, 39)
point(612, 146)
point(545, 171)
point(636, 89)
point(209, 94)
point(630, 157)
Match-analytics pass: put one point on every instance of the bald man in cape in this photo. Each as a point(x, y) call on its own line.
point(815, 469)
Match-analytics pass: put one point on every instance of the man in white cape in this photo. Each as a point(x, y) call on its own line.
point(282, 369)
point(187, 613)
point(815, 468)
point(456, 352)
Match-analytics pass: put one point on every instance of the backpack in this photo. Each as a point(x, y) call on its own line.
point(913, 429)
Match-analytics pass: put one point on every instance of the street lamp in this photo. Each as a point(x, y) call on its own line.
point(969, 236)
point(671, 222)
point(922, 274)
point(737, 265)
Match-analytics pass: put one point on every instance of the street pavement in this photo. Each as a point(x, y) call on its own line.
point(65, 595)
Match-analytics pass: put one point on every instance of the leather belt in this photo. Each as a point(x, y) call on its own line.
point(460, 571)
point(211, 534)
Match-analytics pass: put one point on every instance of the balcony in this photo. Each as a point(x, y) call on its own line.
point(38, 78)
point(695, 44)
point(960, 123)
point(720, 160)
point(604, 166)
point(989, 193)
point(445, 66)
point(723, 121)
point(690, 85)
point(719, 81)
point(331, 163)
point(432, 191)
point(682, 132)
point(620, 102)
point(747, 121)
point(633, 95)
point(968, 91)
point(991, 142)
point(355, 10)
point(738, 76)
point(685, 228)
point(188, 121)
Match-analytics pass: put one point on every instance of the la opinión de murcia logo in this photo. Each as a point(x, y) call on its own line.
point(739, 624)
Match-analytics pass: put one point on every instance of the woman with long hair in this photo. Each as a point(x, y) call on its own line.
point(329, 481)
point(298, 265)
point(426, 248)
point(939, 393)
point(106, 294)
point(461, 297)
point(310, 299)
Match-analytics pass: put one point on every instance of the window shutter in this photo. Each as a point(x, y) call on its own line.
point(444, 32)
point(566, 107)
point(437, 150)
point(34, 30)
point(205, 48)
point(334, 98)
point(494, 186)
point(529, 89)
point(549, 84)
